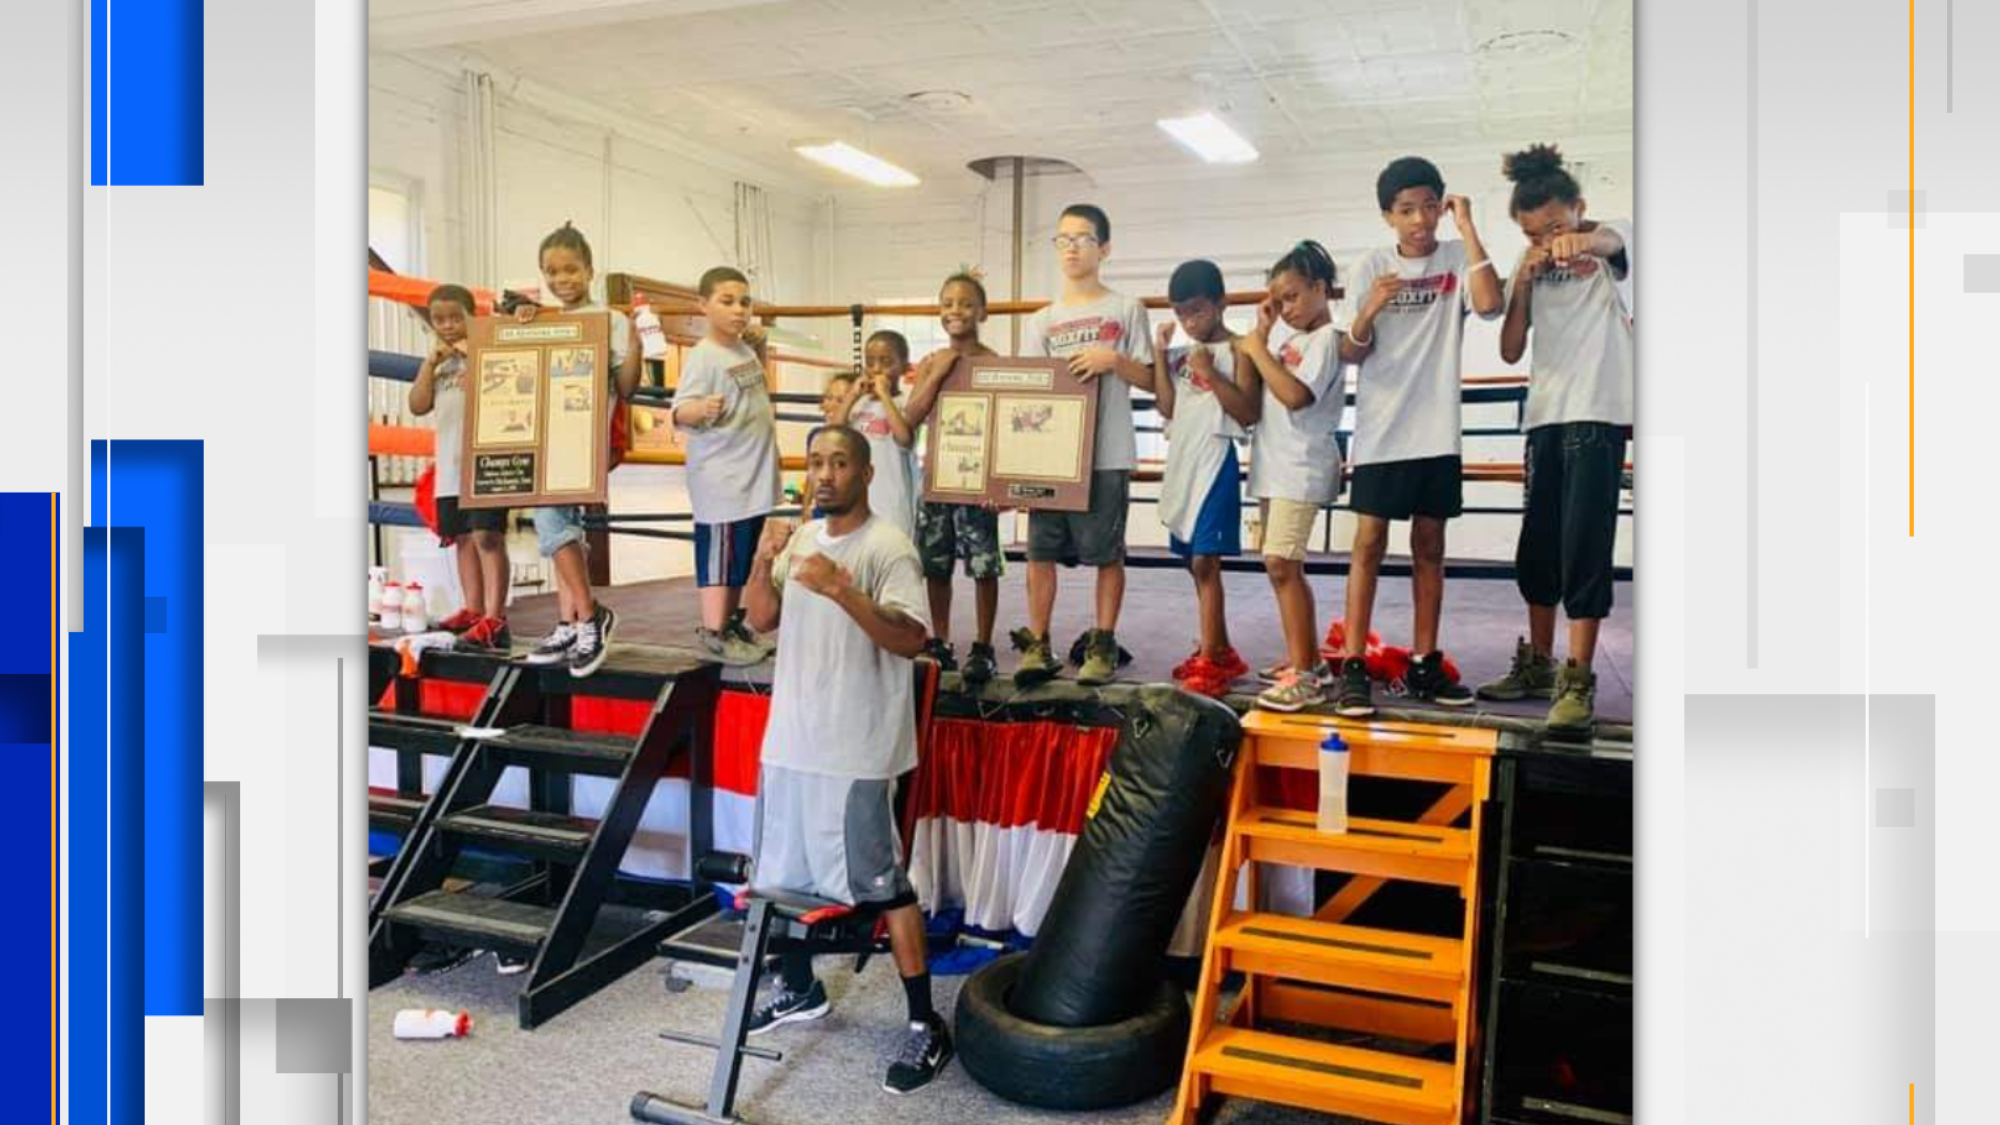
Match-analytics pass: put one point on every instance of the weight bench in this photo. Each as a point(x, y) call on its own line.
point(788, 922)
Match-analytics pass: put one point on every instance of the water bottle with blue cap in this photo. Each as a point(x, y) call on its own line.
point(1333, 765)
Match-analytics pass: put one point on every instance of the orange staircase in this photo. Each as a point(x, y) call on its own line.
point(1324, 972)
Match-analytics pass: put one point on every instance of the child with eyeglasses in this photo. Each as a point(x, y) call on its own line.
point(1105, 337)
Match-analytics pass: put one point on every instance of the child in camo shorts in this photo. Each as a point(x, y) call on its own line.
point(948, 532)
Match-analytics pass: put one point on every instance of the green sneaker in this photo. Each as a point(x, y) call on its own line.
point(1038, 665)
point(1576, 695)
point(1533, 675)
point(1100, 659)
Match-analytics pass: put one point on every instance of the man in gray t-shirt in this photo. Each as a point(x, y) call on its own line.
point(842, 728)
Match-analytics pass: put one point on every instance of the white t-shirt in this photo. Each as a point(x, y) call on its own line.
point(1408, 393)
point(1581, 352)
point(1295, 455)
point(732, 466)
point(1113, 321)
point(448, 406)
point(840, 704)
point(1198, 438)
point(893, 493)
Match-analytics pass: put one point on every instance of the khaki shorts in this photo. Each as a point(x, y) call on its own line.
point(1288, 528)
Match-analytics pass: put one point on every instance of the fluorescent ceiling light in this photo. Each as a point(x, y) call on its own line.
point(843, 157)
point(1210, 138)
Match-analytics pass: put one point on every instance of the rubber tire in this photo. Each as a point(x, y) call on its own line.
point(1068, 1067)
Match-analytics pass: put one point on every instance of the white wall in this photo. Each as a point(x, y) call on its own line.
point(902, 245)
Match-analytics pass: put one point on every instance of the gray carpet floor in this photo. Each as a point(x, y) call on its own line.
point(584, 1066)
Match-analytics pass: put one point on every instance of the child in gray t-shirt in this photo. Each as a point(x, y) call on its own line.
point(723, 403)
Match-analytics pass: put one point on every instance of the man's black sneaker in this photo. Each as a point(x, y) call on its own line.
point(939, 652)
point(790, 1007)
point(593, 642)
point(1426, 680)
point(1356, 696)
point(980, 664)
point(512, 963)
point(925, 1051)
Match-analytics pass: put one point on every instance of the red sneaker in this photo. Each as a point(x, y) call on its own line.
point(1232, 664)
point(1204, 677)
point(490, 633)
point(1229, 667)
point(459, 622)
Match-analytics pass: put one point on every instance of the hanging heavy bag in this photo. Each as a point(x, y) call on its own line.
point(1097, 957)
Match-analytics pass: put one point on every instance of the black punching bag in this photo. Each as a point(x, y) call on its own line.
point(1096, 959)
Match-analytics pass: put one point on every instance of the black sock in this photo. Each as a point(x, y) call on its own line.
point(917, 990)
point(798, 969)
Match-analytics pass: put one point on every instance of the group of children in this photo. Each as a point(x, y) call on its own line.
point(1567, 304)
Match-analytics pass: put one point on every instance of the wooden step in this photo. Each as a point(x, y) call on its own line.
point(1384, 961)
point(537, 835)
point(1319, 1076)
point(1390, 849)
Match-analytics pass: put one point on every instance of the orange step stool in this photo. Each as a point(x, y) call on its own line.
point(1322, 971)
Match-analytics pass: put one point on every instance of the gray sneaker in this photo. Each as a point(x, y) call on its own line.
point(1295, 691)
point(728, 648)
point(1532, 676)
point(1038, 664)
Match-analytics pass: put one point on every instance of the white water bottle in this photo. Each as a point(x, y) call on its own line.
point(416, 614)
point(392, 607)
point(652, 339)
point(377, 575)
point(1333, 763)
point(430, 1023)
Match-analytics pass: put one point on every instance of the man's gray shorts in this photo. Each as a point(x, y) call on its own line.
point(834, 837)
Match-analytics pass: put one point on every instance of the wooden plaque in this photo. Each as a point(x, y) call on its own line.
point(1017, 433)
point(537, 411)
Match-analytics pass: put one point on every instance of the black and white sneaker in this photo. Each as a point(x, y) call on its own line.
point(1356, 697)
point(790, 1007)
point(554, 648)
point(925, 1051)
point(939, 653)
point(593, 642)
point(511, 964)
point(1426, 681)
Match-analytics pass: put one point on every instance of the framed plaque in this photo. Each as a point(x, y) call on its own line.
point(537, 411)
point(1013, 432)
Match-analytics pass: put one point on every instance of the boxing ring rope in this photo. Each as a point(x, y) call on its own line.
point(670, 305)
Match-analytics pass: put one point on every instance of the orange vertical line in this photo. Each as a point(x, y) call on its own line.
point(1913, 1103)
point(1913, 276)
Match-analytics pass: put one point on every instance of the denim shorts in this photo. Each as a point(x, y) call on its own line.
point(556, 528)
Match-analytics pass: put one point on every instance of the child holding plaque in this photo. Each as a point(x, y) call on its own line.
point(582, 635)
point(871, 408)
point(724, 404)
point(1207, 399)
point(1106, 336)
point(948, 532)
point(474, 534)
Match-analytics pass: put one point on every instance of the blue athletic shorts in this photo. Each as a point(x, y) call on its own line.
point(723, 552)
point(1218, 527)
